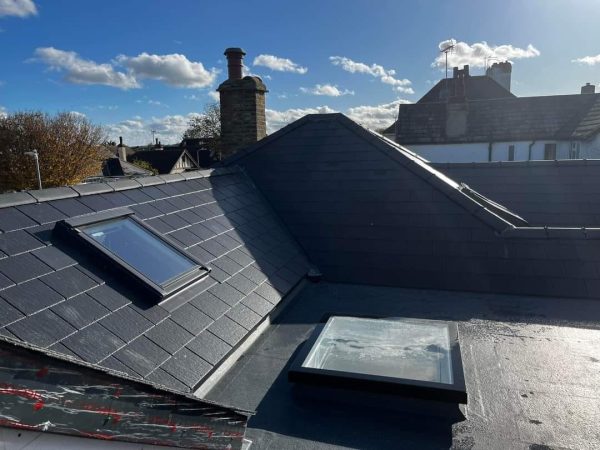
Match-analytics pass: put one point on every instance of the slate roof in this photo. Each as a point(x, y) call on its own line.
point(115, 167)
point(367, 210)
point(556, 117)
point(554, 193)
point(55, 297)
point(161, 160)
point(479, 87)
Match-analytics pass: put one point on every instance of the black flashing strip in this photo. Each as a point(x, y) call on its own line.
point(70, 229)
point(47, 392)
point(453, 393)
point(556, 233)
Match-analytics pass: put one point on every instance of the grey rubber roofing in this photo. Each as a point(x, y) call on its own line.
point(54, 296)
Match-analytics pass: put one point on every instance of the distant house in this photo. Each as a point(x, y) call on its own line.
point(477, 119)
point(167, 161)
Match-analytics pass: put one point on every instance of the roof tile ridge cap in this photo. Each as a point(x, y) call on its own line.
point(267, 140)
point(18, 198)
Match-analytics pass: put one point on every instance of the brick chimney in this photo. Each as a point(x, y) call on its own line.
point(588, 89)
point(243, 120)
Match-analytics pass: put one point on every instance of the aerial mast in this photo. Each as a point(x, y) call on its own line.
point(448, 49)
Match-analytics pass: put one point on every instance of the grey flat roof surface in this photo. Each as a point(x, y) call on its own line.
point(532, 370)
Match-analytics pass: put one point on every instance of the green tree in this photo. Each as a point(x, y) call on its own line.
point(69, 146)
point(145, 165)
point(207, 126)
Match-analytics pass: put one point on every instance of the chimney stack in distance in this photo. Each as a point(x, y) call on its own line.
point(121, 150)
point(588, 89)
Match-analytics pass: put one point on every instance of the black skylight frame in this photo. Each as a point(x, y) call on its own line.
point(72, 229)
point(454, 392)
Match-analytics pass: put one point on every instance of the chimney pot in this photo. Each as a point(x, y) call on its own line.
point(120, 141)
point(455, 72)
point(466, 70)
point(235, 56)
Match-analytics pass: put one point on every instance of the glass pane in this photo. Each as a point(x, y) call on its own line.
point(415, 350)
point(140, 249)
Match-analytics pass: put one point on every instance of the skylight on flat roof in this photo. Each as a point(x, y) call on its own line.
point(150, 258)
point(418, 358)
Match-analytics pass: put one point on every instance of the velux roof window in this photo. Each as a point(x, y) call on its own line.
point(152, 260)
point(411, 357)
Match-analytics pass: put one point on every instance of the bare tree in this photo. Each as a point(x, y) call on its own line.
point(207, 126)
point(69, 146)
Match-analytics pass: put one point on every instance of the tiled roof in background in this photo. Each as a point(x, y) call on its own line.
point(561, 117)
point(54, 296)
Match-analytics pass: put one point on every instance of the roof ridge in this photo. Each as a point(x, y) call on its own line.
point(80, 190)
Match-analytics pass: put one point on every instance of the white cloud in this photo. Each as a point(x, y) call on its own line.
point(3, 112)
point(214, 96)
point(475, 54)
point(81, 71)
point(589, 60)
point(17, 8)
point(378, 116)
point(137, 131)
point(278, 119)
point(278, 64)
point(375, 70)
point(174, 69)
point(328, 90)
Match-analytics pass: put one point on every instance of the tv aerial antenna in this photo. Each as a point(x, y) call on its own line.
point(448, 49)
point(153, 135)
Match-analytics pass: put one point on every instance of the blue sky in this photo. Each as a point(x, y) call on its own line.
point(137, 65)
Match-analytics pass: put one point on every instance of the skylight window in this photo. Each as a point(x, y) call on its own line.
point(416, 358)
point(151, 259)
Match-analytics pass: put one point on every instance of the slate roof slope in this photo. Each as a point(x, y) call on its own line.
point(477, 87)
point(161, 160)
point(555, 117)
point(367, 210)
point(555, 193)
point(55, 297)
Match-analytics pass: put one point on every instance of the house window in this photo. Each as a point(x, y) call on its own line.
point(550, 151)
point(574, 152)
point(417, 358)
point(154, 261)
point(511, 152)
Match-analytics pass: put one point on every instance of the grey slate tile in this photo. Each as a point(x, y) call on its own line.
point(80, 310)
point(12, 219)
point(184, 237)
point(201, 231)
point(243, 259)
point(69, 282)
point(93, 343)
point(60, 348)
point(109, 297)
point(96, 202)
point(258, 304)
point(18, 242)
point(42, 212)
point(253, 274)
point(23, 267)
point(42, 329)
point(187, 367)
point(145, 210)
point(142, 355)
point(114, 364)
point(191, 318)
point(209, 347)
point(218, 274)
point(137, 196)
point(228, 330)
point(31, 296)
point(169, 336)
point(242, 284)
point(226, 293)
point(117, 199)
point(157, 224)
point(269, 293)
point(154, 313)
point(54, 257)
point(227, 265)
point(9, 313)
point(244, 316)
point(164, 206)
point(209, 304)
point(71, 207)
point(214, 248)
point(160, 377)
point(5, 282)
point(174, 221)
point(126, 323)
